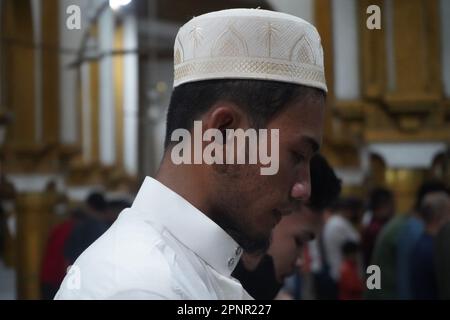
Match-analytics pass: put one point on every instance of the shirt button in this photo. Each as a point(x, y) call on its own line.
point(238, 251)
point(231, 263)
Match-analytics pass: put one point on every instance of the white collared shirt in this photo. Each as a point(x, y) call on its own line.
point(336, 232)
point(160, 248)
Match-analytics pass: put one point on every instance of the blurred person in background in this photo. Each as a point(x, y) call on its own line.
point(339, 228)
point(89, 229)
point(408, 237)
point(442, 259)
point(389, 251)
point(115, 207)
point(385, 256)
point(381, 209)
point(82, 228)
point(351, 285)
point(435, 212)
point(2, 231)
point(54, 264)
point(323, 286)
point(263, 275)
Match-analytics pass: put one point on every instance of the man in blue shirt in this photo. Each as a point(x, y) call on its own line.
point(435, 212)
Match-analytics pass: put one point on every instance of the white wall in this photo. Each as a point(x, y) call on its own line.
point(301, 8)
point(346, 50)
point(415, 155)
point(35, 182)
point(350, 176)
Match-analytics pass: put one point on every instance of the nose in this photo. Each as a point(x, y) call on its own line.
point(301, 191)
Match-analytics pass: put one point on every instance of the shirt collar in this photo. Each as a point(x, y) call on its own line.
point(189, 225)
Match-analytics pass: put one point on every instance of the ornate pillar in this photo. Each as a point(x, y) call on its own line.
point(50, 71)
point(118, 65)
point(404, 183)
point(18, 60)
point(33, 217)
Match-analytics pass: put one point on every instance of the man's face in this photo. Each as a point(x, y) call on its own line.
point(289, 238)
point(252, 204)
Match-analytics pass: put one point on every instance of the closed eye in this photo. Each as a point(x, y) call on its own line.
point(298, 157)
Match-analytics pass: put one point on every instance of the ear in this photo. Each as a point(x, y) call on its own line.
point(224, 115)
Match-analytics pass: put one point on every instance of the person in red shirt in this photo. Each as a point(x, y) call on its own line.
point(54, 265)
point(350, 282)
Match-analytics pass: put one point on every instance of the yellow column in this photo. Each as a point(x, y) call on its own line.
point(50, 68)
point(118, 62)
point(95, 119)
point(404, 184)
point(373, 57)
point(18, 61)
point(33, 216)
point(323, 18)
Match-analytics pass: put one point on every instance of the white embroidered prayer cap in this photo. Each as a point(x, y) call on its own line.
point(249, 44)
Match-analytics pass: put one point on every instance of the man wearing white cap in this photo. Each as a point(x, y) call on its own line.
point(236, 69)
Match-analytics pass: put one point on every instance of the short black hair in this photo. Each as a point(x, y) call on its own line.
point(351, 203)
point(118, 205)
point(96, 200)
point(260, 99)
point(379, 197)
point(429, 187)
point(78, 213)
point(325, 185)
point(350, 247)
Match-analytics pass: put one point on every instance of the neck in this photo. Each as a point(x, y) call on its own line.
point(186, 181)
point(251, 261)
